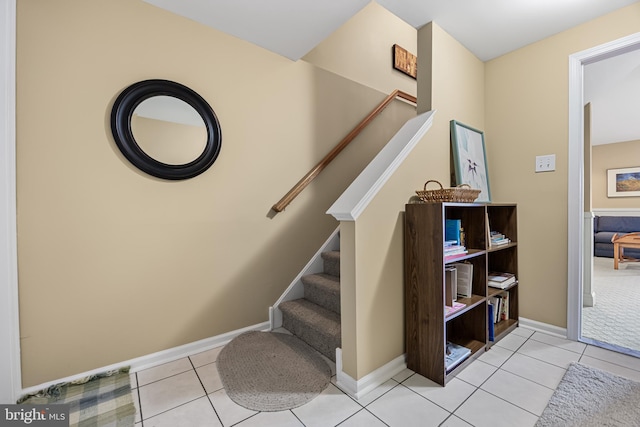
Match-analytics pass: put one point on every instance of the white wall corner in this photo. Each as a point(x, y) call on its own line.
point(359, 388)
point(364, 188)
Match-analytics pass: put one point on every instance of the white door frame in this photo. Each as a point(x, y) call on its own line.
point(10, 371)
point(576, 172)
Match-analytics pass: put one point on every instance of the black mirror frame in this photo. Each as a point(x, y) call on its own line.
point(122, 113)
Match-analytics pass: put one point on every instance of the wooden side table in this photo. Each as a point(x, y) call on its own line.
point(630, 240)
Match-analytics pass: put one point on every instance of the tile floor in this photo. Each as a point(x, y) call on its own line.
point(509, 385)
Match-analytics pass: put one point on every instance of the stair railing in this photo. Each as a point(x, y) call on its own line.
point(310, 176)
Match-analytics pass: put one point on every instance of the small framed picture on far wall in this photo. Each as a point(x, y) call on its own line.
point(624, 182)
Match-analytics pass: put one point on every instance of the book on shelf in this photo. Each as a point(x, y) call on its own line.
point(451, 285)
point(504, 307)
point(491, 329)
point(454, 355)
point(495, 301)
point(452, 229)
point(455, 306)
point(464, 272)
point(500, 280)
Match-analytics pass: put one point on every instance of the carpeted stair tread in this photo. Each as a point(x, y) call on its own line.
point(323, 289)
point(315, 325)
point(331, 261)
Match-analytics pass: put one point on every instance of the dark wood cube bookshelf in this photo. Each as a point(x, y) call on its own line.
point(427, 327)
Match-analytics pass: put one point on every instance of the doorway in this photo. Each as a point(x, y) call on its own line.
point(577, 234)
point(612, 141)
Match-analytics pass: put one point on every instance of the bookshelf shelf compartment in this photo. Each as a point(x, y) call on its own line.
point(427, 333)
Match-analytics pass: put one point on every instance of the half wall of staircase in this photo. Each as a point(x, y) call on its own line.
point(314, 315)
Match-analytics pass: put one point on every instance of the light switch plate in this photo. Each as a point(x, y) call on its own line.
point(546, 163)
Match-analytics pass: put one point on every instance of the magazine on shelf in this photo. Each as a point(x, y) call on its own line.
point(454, 355)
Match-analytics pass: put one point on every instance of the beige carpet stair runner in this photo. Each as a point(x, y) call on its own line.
point(315, 319)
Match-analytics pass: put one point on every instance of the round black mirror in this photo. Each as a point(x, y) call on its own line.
point(166, 129)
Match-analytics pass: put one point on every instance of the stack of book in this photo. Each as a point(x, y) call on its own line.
point(451, 248)
point(454, 355)
point(496, 239)
point(500, 280)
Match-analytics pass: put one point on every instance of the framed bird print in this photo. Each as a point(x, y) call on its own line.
point(470, 159)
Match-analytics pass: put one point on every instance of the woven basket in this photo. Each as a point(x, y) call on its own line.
point(462, 193)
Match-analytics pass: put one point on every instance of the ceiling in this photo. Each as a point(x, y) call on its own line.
point(488, 28)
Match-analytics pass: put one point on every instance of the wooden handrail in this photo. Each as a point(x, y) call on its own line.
point(306, 180)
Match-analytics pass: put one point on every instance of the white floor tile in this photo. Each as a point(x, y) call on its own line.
point(549, 353)
point(511, 342)
point(575, 346)
point(454, 421)
point(363, 418)
point(166, 370)
point(402, 407)
point(449, 397)
point(535, 370)
point(377, 392)
point(197, 413)
point(210, 377)
point(476, 373)
point(403, 375)
point(522, 331)
point(205, 357)
point(272, 419)
point(496, 356)
point(520, 391)
point(331, 407)
point(169, 393)
point(613, 357)
point(485, 410)
point(622, 371)
point(229, 411)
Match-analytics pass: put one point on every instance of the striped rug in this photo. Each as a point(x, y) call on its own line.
point(102, 400)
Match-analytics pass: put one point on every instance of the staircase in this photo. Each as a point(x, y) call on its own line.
point(315, 318)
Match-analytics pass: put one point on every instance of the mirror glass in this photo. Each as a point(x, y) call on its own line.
point(169, 130)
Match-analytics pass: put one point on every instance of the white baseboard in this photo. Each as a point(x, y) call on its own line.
point(359, 388)
point(543, 327)
point(158, 358)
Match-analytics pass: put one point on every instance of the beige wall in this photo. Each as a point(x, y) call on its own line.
point(613, 156)
point(378, 281)
point(115, 264)
point(527, 115)
point(364, 44)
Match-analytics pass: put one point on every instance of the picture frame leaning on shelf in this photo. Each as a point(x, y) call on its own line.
point(470, 159)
